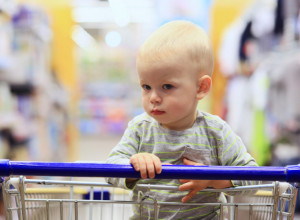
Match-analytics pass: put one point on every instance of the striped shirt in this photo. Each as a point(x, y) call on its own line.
point(209, 141)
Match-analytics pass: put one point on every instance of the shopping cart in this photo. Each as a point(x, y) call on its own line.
point(84, 199)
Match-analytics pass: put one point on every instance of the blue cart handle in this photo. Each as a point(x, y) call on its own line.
point(269, 173)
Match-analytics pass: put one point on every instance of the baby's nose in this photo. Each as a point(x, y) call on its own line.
point(155, 97)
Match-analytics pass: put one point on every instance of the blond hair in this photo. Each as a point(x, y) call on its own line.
point(181, 38)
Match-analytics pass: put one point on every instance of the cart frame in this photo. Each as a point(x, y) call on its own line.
point(282, 205)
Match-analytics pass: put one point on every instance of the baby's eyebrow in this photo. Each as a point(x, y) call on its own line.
point(171, 81)
point(143, 83)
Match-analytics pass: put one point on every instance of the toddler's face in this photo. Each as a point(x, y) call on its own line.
point(169, 89)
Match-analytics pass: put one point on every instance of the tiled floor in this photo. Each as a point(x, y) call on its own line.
point(92, 148)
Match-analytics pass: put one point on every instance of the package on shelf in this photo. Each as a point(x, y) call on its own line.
point(32, 102)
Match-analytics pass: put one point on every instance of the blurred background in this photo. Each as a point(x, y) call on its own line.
point(68, 83)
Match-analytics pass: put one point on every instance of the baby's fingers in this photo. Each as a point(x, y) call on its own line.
point(188, 185)
point(135, 163)
point(149, 167)
point(139, 163)
point(153, 165)
point(189, 195)
point(156, 163)
point(147, 164)
point(184, 181)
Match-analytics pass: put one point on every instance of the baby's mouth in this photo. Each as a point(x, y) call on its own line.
point(157, 112)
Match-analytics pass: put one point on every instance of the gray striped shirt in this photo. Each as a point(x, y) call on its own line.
point(210, 141)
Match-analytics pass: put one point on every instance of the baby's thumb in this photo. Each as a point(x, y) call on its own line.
point(189, 162)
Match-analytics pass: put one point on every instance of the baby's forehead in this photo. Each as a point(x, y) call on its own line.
point(163, 56)
point(166, 69)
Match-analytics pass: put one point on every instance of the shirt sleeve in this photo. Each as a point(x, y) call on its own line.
point(122, 152)
point(232, 152)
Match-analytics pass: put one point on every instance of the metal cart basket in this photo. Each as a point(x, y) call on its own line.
point(84, 199)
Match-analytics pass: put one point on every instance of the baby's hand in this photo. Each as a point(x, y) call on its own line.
point(196, 185)
point(146, 163)
point(193, 186)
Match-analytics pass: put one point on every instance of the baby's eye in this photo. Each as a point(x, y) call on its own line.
point(167, 86)
point(146, 87)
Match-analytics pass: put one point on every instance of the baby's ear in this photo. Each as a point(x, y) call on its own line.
point(203, 86)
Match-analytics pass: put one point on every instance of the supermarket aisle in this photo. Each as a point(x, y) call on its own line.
point(96, 148)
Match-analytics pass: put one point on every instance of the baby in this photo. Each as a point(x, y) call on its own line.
point(174, 66)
